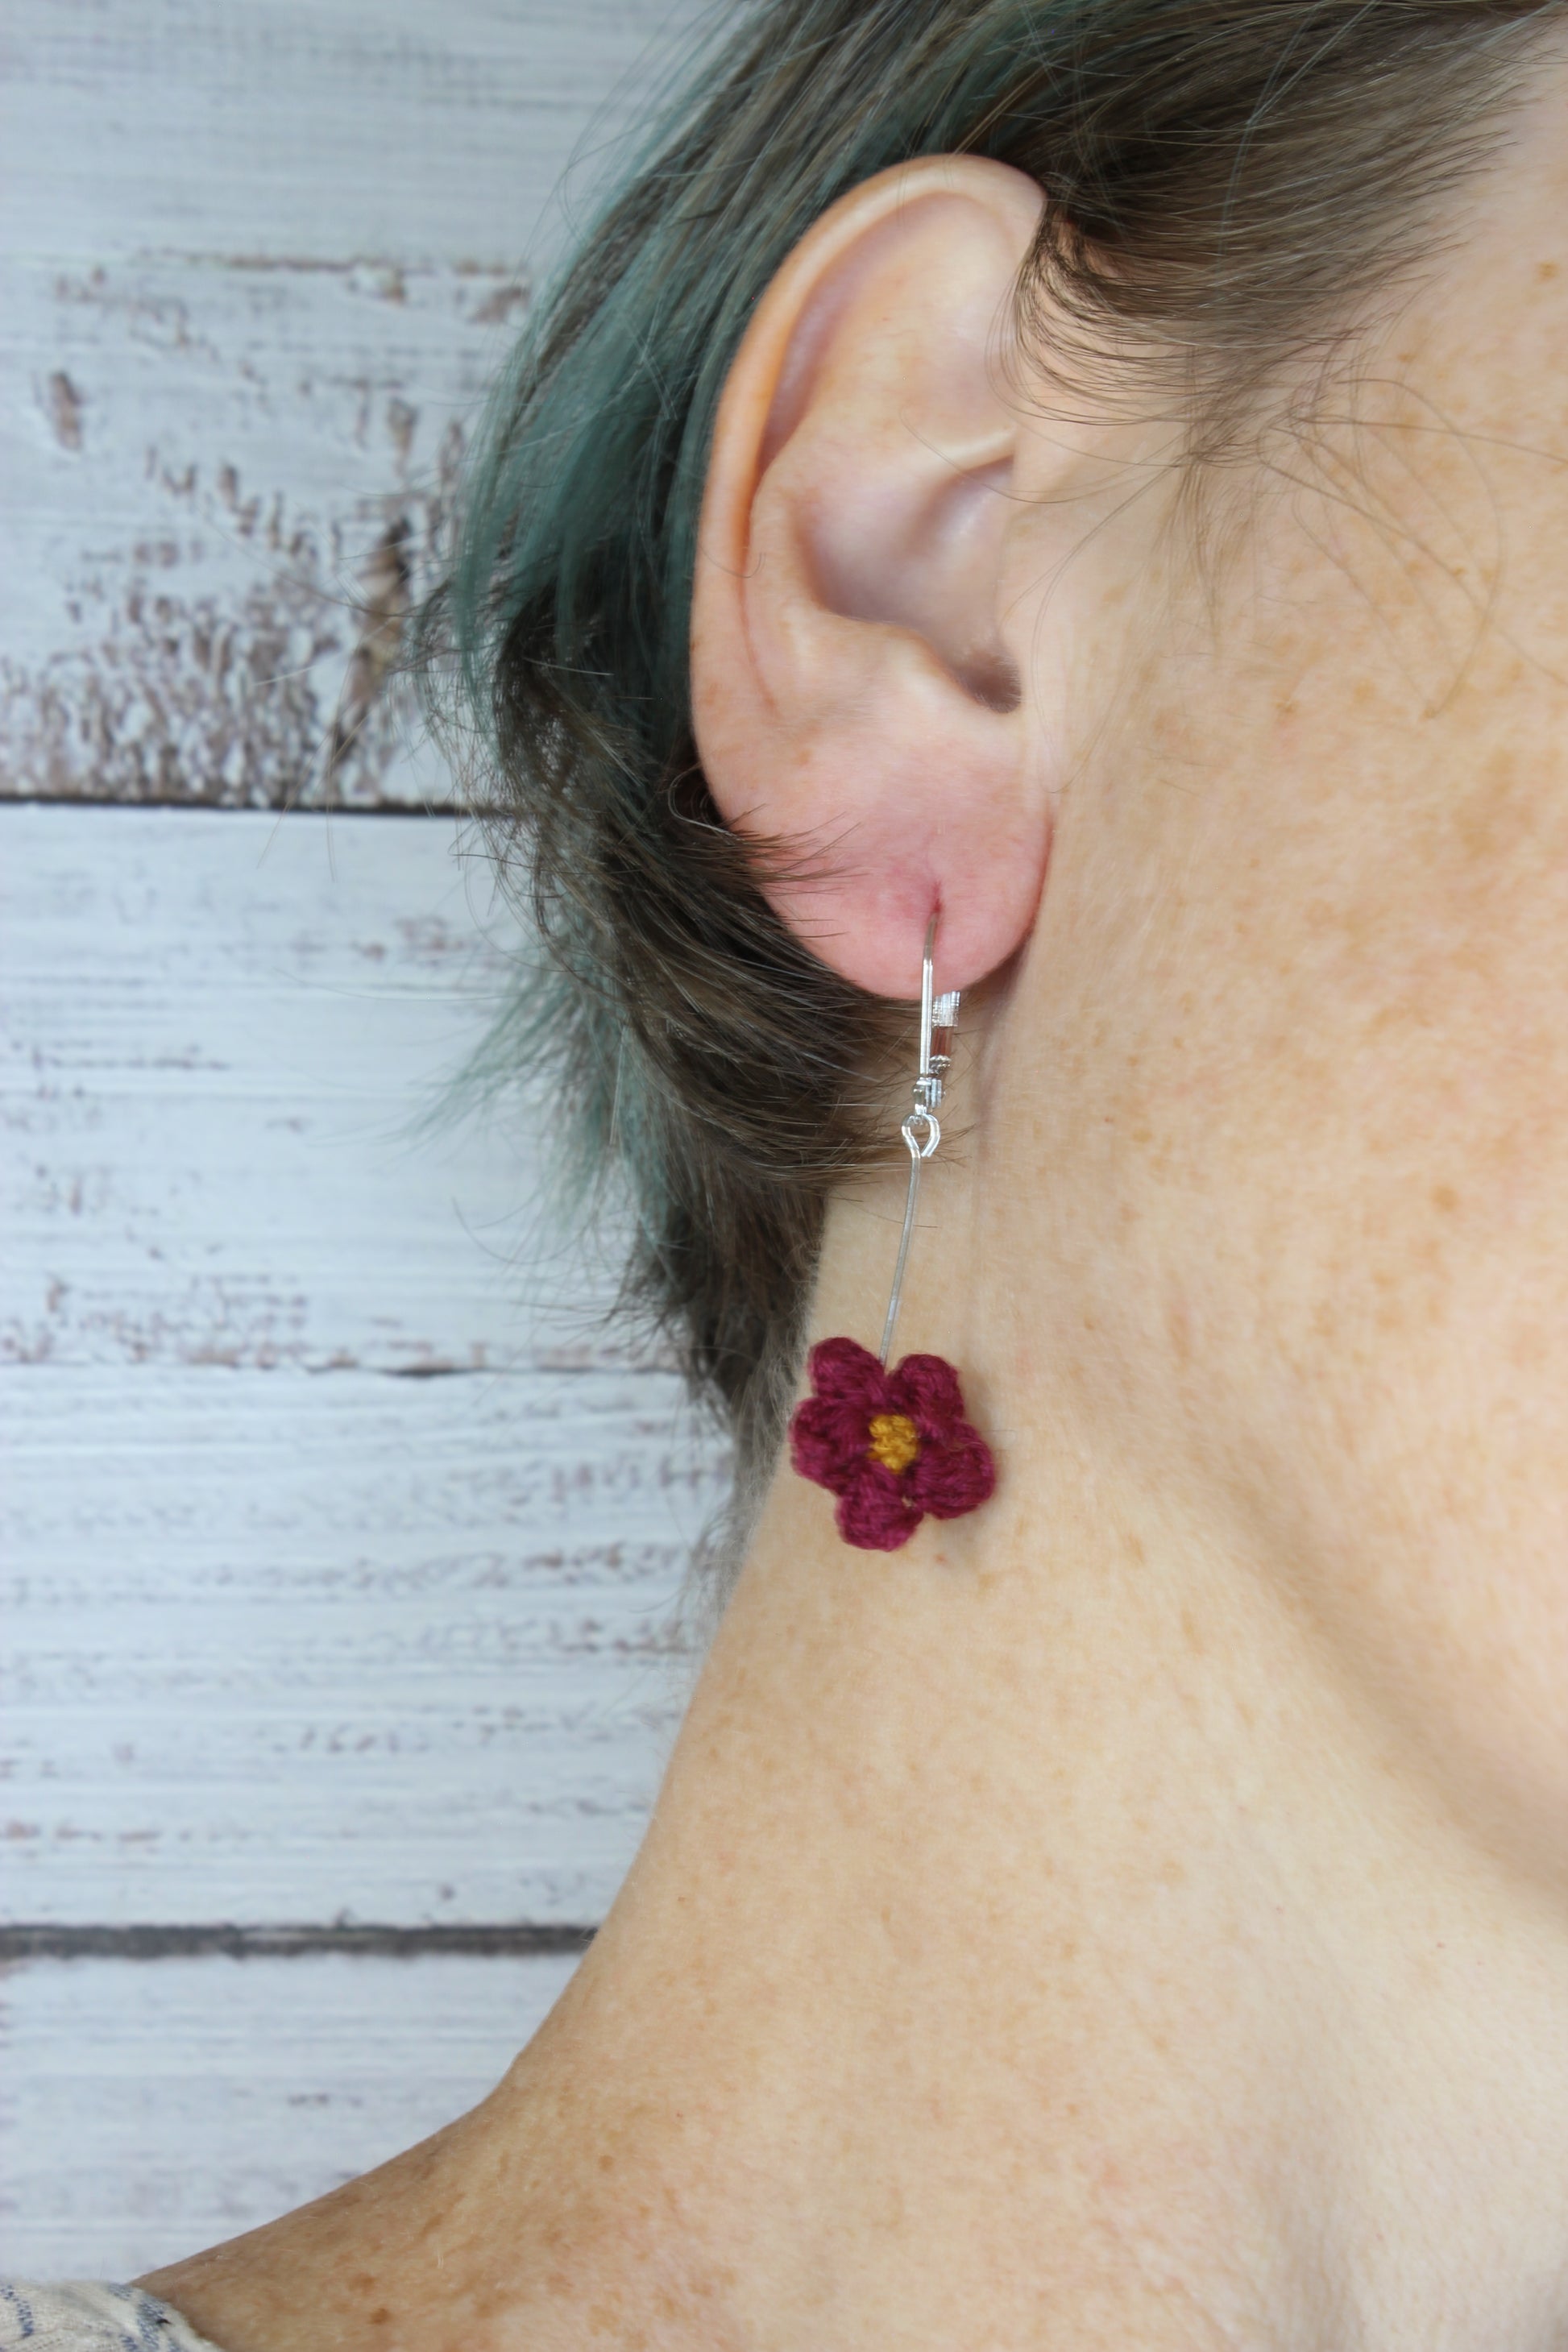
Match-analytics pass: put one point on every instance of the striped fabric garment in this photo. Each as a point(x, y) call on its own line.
point(84, 2318)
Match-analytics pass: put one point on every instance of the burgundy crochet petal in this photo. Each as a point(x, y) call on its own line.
point(874, 1512)
point(926, 1388)
point(827, 1442)
point(847, 1372)
point(955, 1477)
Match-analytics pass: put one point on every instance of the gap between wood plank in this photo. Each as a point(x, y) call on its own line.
point(21, 1942)
point(460, 812)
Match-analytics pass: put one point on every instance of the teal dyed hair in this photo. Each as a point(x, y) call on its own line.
point(1225, 180)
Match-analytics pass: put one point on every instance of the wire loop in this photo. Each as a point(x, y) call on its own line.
point(921, 1131)
point(921, 1151)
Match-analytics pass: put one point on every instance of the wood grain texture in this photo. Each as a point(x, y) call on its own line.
point(341, 1558)
point(149, 2110)
point(285, 1649)
point(257, 265)
point(227, 485)
point(221, 1035)
point(338, 1540)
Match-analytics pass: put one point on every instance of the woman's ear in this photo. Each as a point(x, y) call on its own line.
point(858, 710)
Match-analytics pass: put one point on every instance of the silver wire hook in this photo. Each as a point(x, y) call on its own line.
point(921, 1131)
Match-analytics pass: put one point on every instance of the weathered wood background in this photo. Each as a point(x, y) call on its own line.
point(340, 1543)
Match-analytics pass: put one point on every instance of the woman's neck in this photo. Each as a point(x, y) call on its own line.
point(1034, 1946)
point(1034, 1949)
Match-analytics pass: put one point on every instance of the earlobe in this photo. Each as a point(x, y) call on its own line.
point(856, 702)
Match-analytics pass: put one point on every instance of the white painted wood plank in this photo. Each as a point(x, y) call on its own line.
point(312, 128)
point(255, 265)
point(284, 1648)
point(293, 1635)
point(140, 2122)
point(219, 1036)
point(222, 484)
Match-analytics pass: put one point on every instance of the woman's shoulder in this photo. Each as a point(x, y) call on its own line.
point(82, 2316)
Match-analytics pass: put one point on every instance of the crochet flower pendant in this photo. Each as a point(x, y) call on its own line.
point(892, 1443)
point(891, 1440)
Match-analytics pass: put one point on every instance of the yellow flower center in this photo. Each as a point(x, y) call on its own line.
point(895, 1441)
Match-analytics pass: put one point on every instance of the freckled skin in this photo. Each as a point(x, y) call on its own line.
point(1136, 1916)
point(1349, 1140)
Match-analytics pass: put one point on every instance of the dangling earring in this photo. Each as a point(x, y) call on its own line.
point(893, 1444)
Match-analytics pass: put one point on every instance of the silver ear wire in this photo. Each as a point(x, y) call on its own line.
point(921, 1131)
